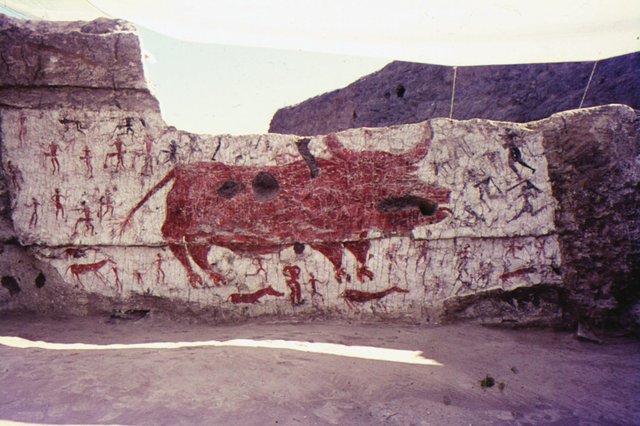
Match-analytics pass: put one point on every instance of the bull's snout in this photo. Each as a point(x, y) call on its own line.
point(393, 204)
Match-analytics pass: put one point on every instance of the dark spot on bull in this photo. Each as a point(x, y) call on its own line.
point(400, 91)
point(10, 284)
point(230, 189)
point(40, 280)
point(394, 204)
point(303, 149)
point(265, 187)
point(298, 248)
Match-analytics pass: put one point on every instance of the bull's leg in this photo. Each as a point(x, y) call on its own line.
point(180, 252)
point(360, 249)
point(199, 253)
point(333, 252)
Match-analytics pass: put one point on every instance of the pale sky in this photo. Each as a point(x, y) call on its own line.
point(226, 66)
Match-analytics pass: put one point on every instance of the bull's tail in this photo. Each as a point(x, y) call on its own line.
point(127, 222)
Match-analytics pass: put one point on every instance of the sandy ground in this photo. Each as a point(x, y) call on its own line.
point(541, 377)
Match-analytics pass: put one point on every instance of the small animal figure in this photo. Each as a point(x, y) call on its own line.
point(254, 297)
point(352, 296)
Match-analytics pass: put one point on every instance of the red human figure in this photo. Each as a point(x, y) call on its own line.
point(78, 269)
point(159, 270)
point(147, 170)
point(34, 215)
point(53, 156)
point(85, 218)
point(313, 282)
point(86, 157)
point(118, 283)
point(137, 275)
point(357, 296)
point(119, 154)
point(254, 297)
point(292, 273)
point(105, 202)
point(22, 126)
point(15, 175)
point(57, 203)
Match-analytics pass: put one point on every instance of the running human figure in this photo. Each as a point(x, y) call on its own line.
point(85, 218)
point(119, 154)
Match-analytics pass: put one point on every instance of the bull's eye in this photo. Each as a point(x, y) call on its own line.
point(265, 186)
point(230, 189)
point(394, 204)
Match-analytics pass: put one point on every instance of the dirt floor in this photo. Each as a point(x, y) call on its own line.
point(538, 377)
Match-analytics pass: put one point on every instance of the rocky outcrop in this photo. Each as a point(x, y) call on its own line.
point(432, 221)
point(404, 92)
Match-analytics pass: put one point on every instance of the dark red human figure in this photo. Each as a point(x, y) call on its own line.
point(292, 273)
point(106, 203)
point(313, 282)
point(15, 175)
point(160, 276)
point(22, 126)
point(137, 275)
point(34, 215)
point(53, 156)
point(86, 157)
point(85, 218)
point(118, 283)
point(57, 203)
point(119, 154)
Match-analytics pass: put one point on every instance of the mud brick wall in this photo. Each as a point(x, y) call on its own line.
point(435, 220)
point(406, 92)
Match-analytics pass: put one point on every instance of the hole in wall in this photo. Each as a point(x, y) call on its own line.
point(265, 187)
point(298, 248)
point(40, 280)
point(11, 284)
point(230, 189)
point(394, 204)
point(400, 91)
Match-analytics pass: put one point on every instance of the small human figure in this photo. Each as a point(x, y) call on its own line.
point(171, 154)
point(53, 156)
point(86, 157)
point(106, 202)
point(66, 122)
point(515, 155)
point(147, 170)
point(527, 191)
point(119, 154)
point(160, 276)
point(118, 283)
point(15, 175)
point(57, 203)
point(85, 218)
point(313, 282)
point(34, 215)
point(22, 126)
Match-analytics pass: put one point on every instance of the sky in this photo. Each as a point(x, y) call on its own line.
point(226, 66)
